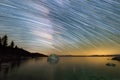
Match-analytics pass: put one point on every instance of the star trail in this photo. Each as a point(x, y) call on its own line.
point(74, 27)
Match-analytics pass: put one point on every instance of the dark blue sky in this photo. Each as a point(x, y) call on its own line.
point(62, 26)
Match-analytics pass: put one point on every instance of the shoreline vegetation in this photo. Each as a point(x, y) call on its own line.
point(11, 52)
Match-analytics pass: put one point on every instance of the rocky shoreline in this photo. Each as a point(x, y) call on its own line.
point(116, 58)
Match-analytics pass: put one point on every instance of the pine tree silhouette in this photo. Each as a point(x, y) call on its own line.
point(7, 51)
point(16, 46)
point(4, 40)
point(12, 44)
point(0, 41)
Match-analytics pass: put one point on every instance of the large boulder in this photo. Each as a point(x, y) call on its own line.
point(116, 58)
point(53, 59)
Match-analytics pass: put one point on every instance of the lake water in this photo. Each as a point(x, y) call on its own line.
point(68, 68)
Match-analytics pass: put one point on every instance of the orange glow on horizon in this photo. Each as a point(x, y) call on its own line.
point(99, 51)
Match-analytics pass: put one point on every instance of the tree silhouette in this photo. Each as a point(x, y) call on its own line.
point(0, 41)
point(10, 52)
point(4, 40)
point(16, 46)
point(12, 44)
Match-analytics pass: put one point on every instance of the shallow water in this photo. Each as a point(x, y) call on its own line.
point(68, 68)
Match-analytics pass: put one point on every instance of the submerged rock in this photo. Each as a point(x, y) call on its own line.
point(111, 64)
point(53, 59)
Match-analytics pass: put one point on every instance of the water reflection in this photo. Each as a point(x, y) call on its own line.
point(8, 67)
point(68, 68)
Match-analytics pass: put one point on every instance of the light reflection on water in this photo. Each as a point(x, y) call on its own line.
point(68, 68)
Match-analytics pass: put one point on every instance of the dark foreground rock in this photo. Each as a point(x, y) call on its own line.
point(116, 58)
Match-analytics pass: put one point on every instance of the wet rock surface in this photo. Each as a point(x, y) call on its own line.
point(53, 59)
point(116, 58)
point(111, 64)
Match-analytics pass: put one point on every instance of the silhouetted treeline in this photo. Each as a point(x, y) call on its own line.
point(12, 52)
point(4, 42)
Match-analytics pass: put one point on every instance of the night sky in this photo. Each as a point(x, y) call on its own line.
point(70, 27)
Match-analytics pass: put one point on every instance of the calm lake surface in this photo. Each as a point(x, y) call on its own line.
point(68, 68)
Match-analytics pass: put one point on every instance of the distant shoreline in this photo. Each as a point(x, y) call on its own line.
point(88, 56)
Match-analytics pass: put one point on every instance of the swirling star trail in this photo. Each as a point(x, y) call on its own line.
point(74, 27)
